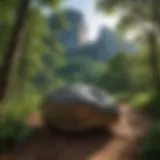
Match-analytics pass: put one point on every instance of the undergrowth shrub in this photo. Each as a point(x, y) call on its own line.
point(12, 120)
point(152, 108)
point(12, 131)
point(145, 102)
point(150, 144)
point(140, 100)
point(124, 97)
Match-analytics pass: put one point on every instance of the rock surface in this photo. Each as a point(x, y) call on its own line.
point(79, 107)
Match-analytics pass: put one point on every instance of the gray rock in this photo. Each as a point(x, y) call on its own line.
point(79, 107)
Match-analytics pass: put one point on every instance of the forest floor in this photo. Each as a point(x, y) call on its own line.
point(122, 146)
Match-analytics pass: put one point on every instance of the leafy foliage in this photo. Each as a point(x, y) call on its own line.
point(82, 69)
point(12, 131)
point(117, 77)
point(13, 128)
point(150, 143)
point(13, 112)
point(128, 77)
point(144, 17)
point(152, 107)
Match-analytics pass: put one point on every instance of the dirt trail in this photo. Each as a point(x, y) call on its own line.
point(123, 146)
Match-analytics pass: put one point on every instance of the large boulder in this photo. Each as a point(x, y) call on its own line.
point(79, 107)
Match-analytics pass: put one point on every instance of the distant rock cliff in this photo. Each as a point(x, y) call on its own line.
point(74, 38)
point(85, 60)
point(108, 44)
point(74, 34)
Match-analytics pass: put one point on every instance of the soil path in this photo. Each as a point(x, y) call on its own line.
point(122, 146)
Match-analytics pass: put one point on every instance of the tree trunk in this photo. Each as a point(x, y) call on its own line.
point(153, 45)
point(154, 59)
point(23, 65)
point(11, 54)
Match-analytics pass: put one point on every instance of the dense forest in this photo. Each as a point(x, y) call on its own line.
point(40, 52)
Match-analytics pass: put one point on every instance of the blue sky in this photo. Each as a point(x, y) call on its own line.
point(94, 18)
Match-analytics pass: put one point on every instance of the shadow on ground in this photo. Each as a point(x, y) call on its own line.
point(44, 146)
point(98, 146)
